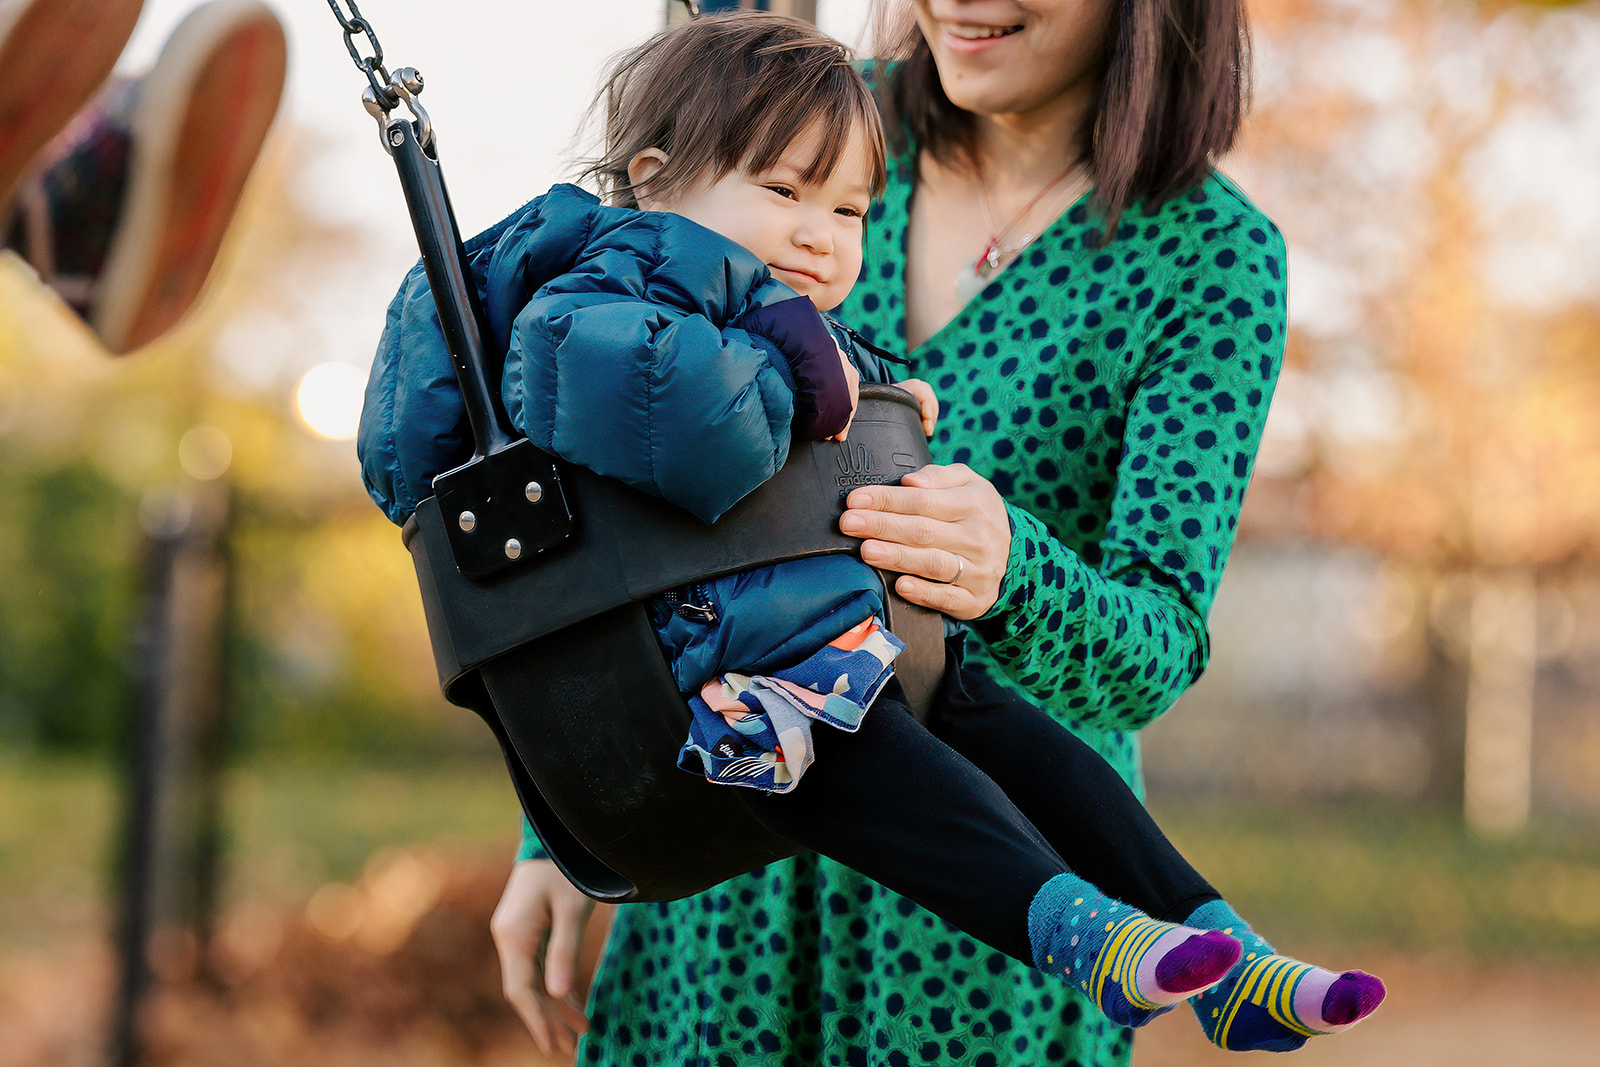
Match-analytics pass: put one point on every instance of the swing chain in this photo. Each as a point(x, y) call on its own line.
point(378, 78)
point(384, 91)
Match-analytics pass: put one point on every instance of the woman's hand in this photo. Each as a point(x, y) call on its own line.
point(925, 400)
point(538, 902)
point(944, 529)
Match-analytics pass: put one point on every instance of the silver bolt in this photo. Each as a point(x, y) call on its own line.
point(513, 548)
point(397, 137)
point(534, 492)
point(468, 521)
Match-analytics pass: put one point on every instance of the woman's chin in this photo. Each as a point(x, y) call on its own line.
point(981, 97)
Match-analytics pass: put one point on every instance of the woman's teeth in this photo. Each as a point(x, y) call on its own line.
point(983, 33)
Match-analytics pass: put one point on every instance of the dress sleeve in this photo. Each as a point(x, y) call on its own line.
point(530, 848)
point(1111, 646)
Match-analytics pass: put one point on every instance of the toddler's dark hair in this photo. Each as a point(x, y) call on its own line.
point(721, 93)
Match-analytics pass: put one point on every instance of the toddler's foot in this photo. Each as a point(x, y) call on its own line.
point(1132, 966)
point(1273, 1003)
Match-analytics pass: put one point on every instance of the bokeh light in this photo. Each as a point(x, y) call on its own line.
point(205, 453)
point(329, 399)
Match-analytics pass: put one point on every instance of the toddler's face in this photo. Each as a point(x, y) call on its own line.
point(807, 233)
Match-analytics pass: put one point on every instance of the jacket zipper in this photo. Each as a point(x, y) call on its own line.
point(692, 602)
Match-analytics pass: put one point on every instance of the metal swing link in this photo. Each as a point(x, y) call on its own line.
point(406, 83)
point(372, 66)
point(384, 91)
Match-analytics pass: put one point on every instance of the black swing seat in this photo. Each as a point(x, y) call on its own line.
point(559, 659)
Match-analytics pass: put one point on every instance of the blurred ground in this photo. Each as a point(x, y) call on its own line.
point(397, 969)
point(342, 942)
point(1440, 1013)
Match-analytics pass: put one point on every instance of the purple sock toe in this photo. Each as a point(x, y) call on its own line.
point(1201, 961)
point(1352, 997)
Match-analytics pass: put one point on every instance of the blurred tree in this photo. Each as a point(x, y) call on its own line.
point(66, 606)
point(1428, 162)
point(332, 656)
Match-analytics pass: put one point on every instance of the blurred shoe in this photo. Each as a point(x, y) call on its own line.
point(54, 54)
point(127, 213)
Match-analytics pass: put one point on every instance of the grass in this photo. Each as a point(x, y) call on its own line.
point(295, 828)
point(287, 830)
point(1384, 877)
point(55, 825)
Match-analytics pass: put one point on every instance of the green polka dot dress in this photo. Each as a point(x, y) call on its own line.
point(1115, 396)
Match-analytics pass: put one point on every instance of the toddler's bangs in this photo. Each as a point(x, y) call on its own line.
point(801, 110)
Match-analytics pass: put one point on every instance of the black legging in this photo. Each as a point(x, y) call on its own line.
point(971, 815)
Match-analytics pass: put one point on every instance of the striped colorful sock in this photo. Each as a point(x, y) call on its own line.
point(1272, 1003)
point(1132, 966)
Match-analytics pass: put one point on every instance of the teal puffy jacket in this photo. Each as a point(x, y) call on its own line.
point(648, 349)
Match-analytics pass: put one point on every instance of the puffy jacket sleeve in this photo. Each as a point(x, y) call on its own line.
point(637, 363)
point(413, 422)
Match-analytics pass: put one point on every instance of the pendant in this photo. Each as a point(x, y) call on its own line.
point(974, 277)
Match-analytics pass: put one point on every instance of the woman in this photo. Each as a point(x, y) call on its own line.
point(1106, 363)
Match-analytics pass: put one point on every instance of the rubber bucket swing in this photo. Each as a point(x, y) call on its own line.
point(534, 575)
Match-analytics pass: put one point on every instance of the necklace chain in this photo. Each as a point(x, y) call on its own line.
point(997, 250)
point(972, 277)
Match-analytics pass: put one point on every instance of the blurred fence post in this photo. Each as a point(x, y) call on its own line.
point(171, 829)
point(1497, 792)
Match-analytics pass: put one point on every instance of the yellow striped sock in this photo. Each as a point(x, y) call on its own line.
point(1126, 943)
point(1269, 983)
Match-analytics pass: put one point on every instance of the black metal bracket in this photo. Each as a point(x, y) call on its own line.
point(506, 503)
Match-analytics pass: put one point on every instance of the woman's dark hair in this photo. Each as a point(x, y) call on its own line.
point(721, 93)
point(1172, 94)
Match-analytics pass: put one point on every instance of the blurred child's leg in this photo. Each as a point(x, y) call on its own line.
point(126, 209)
point(1083, 807)
point(54, 55)
point(900, 806)
point(203, 111)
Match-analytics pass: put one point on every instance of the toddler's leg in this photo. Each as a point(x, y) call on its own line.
point(1273, 1003)
point(893, 802)
point(1098, 825)
point(900, 806)
point(1070, 793)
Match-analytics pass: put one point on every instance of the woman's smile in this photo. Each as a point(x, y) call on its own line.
point(998, 57)
point(968, 37)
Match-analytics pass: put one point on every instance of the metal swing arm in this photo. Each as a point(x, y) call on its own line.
point(414, 149)
point(506, 503)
